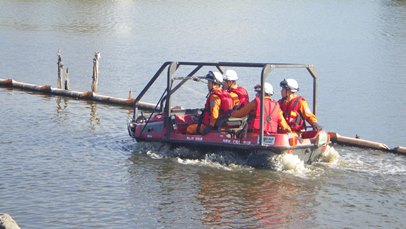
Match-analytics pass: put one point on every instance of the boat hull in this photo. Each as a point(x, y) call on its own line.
point(307, 149)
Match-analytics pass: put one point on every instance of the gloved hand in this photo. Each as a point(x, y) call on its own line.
point(228, 113)
point(207, 130)
point(236, 107)
point(317, 126)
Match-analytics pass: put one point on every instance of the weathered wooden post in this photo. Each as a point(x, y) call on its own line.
point(67, 79)
point(130, 94)
point(95, 77)
point(60, 67)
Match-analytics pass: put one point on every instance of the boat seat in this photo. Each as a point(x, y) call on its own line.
point(235, 126)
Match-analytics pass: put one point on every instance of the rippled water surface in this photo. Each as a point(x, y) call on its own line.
point(67, 163)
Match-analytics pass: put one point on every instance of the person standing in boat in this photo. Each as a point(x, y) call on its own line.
point(295, 108)
point(274, 121)
point(218, 105)
point(238, 93)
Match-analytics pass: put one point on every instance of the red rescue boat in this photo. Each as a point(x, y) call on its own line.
point(167, 124)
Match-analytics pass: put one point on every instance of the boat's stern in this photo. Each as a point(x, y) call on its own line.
point(141, 129)
point(131, 125)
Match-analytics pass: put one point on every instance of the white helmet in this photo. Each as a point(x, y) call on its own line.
point(290, 84)
point(268, 89)
point(215, 77)
point(230, 75)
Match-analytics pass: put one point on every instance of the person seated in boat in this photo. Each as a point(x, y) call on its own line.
point(238, 93)
point(274, 121)
point(295, 108)
point(218, 105)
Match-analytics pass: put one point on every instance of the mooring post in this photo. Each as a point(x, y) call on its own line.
point(60, 67)
point(67, 79)
point(95, 77)
point(130, 94)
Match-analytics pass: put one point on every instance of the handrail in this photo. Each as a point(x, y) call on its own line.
point(149, 84)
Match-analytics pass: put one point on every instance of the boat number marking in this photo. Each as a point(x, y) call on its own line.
point(232, 141)
point(192, 138)
point(269, 140)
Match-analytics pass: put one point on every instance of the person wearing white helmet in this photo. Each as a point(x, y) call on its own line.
point(218, 104)
point(238, 93)
point(295, 108)
point(274, 121)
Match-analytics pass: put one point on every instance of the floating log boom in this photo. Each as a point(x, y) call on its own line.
point(47, 89)
point(344, 140)
point(335, 137)
point(400, 149)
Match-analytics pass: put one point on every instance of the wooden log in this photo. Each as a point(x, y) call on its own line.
point(62, 92)
point(32, 87)
point(6, 82)
point(102, 98)
point(47, 89)
point(108, 99)
point(144, 105)
point(399, 149)
point(60, 69)
point(86, 95)
point(95, 77)
point(335, 137)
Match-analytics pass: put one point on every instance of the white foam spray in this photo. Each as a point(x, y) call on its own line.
point(154, 155)
point(208, 162)
point(290, 163)
point(330, 155)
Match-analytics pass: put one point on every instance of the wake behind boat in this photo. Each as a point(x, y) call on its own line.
point(167, 123)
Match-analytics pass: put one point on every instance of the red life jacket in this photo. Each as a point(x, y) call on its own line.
point(242, 95)
point(271, 116)
point(225, 106)
point(291, 113)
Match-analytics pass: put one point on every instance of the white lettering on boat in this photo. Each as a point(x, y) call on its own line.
point(192, 138)
point(232, 141)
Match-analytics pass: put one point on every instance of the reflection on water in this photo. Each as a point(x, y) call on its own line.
point(220, 198)
point(258, 199)
point(59, 106)
point(84, 16)
point(239, 195)
point(94, 119)
point(62, 110)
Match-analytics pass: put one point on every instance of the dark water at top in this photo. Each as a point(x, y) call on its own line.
point(67, 163)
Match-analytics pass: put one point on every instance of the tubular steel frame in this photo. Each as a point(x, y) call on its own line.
point(170, 89)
